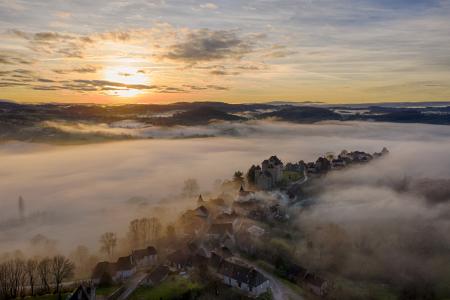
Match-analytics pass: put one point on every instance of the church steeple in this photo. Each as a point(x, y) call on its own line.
point(200, 200)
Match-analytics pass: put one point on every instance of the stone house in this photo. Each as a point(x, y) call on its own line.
point(242, 277)
point(124, 268)
point(144, 257)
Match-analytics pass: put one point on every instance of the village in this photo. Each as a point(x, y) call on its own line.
point(236, 244)
point(225, 243)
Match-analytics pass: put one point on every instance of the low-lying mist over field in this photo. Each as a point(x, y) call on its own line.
point(72, 194)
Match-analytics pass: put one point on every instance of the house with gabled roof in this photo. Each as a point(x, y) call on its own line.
point(316, 284)
point(144, 257)
point(103, 271)
point(220, 230)
point(124, 268)
point(83, 292)
point(242, 277)
point(202, 212)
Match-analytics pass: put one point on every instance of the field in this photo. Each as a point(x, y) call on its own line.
point(48, 297)
point(174, 286)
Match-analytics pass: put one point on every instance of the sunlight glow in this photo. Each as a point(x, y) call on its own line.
point(126, 75)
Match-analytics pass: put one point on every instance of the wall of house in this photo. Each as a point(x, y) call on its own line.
point(125, 274)
point(256, 291)
point(147, 261)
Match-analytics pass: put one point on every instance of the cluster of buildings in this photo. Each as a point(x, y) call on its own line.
point(209, 234)
point(324, 164)
point(125, 266)
point(214, 232)
point(269, 174)
point(221, 264)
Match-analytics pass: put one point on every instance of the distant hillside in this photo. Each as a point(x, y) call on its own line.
point(27, 122)
point(306, 114)
point(196, 116)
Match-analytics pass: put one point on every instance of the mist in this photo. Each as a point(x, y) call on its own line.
point(78, 192)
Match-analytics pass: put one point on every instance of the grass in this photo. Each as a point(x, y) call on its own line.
point(106, 291)
point(291, 176)
point(269, 268)
point(49, 297)
point(362, 290)
point(174, 286)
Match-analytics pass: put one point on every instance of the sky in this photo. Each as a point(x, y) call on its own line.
point(161, 51)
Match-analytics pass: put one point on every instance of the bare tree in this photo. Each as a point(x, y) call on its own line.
point(108, 242)
point(170, 233)
point(62, 269)
point(44, 268)
point(133, 233)
point(155, 228)
point(31, 274)
point(83, 259)
point(190, 188)
point(4, 281)
point(20, 277)
point(12, 279)
point(143, 231)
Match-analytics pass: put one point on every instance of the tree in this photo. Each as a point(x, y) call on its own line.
point(143, 231)
point(62, 269)
point(83, 260)
point(133, 233)
point(12, 279)
point(251, 175)
point(31, 273)
point(190, 188)
point(155, 228)
point(170, 233)
point(44, 268)
point(238, 177)
point(108, 242)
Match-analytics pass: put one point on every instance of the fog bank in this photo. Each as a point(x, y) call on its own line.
point(75, 193)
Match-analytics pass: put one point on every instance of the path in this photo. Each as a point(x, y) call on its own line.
point(132, 284)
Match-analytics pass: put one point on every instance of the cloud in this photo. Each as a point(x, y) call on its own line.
point(16, 77)
point(14, 60)
point(85, 69)
point(222, 72)
point(208, 45)
point(209, 5)
point(86, 85)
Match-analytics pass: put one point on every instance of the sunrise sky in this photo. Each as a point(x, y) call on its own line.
point(164, 51)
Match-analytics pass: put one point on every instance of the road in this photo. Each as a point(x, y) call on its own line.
point(132, 284)
point(295, 186)
point(280, 290)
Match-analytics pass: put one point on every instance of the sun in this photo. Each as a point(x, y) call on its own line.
point(126, 75)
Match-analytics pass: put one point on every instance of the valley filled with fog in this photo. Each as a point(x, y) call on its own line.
point(72, 194)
